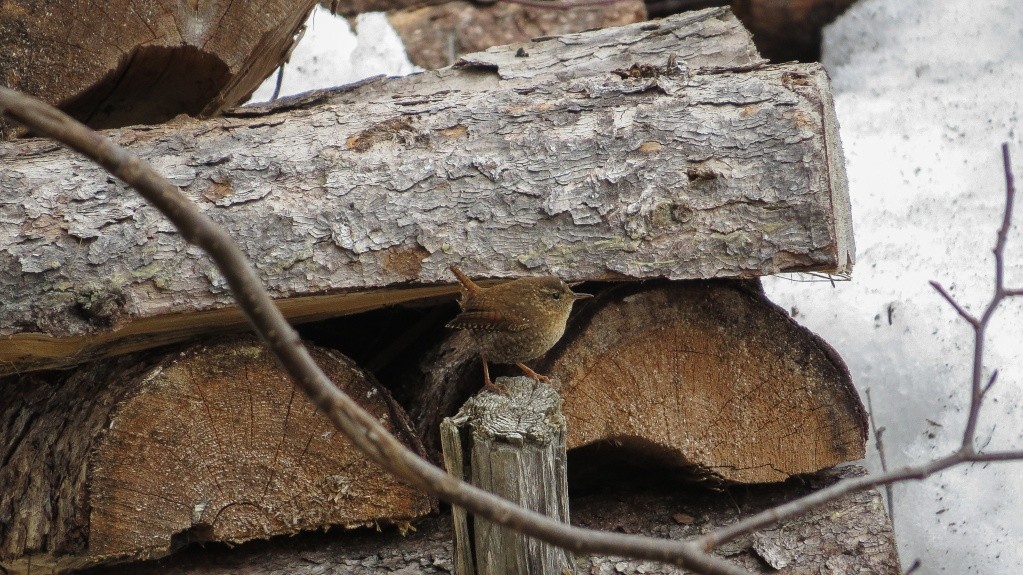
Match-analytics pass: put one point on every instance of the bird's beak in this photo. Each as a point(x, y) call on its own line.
point(577, 296)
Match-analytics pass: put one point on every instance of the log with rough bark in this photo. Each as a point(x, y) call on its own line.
point(710, 376)
point(852, 535)
point(662, 149)
point(135, 457)
point(434, 36)
point(122, 62)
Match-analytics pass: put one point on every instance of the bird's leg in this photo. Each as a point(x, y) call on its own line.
point(487, 384)
point(532, 374)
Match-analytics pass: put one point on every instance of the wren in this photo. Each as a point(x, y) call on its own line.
point(514, 321)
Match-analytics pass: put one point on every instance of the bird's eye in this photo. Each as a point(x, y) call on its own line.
point(556, 295)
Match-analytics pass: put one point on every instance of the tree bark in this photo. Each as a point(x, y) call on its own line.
point(119, 62)
point(138, 456)
point(709, 376)
point(852, 535)
point(653, 150)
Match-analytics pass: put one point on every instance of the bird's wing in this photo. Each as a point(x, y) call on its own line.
point(485, 321)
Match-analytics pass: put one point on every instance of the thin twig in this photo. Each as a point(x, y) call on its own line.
point(955, 305)
point(1000, 293)
point(990, 383)
point(280, 81)
point(360, 427)
point(845, 487)
point(879, 444)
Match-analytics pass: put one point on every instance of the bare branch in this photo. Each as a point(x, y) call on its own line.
point(360, 427)
point(955, 305)
point(1015, 455)
point(879, 443)
point(1003, 230)
point(990, 383)
point(980, 328)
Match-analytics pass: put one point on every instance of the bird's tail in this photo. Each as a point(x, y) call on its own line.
point(469, 285)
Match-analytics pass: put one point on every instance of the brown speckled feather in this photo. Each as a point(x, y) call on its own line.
point(485, 320)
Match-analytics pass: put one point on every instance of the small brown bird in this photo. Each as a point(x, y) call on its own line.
point(515, 321)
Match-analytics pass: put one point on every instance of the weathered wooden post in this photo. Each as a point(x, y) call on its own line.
point(514, 446)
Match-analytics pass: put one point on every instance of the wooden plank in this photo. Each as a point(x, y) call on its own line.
point(516, 449)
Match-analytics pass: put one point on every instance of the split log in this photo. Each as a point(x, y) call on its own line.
point(513, 446)
point(434, 36)
point(135, 457)
point(710, 376)
point(852, 535)
point(121, 62)
point(653, 150)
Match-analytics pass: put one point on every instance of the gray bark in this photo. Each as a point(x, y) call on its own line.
point(514, 446)
point(663, 149)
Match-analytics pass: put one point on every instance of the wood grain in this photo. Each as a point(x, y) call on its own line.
point(138, 456)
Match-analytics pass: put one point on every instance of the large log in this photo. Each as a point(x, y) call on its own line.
point(710, 376)
point(852, 535)
point(121, 62)
point(434, 36)
point(653, 150)
point(138, 456)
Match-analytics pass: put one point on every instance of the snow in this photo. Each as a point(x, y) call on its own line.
point(926, 91)
point(330, 54)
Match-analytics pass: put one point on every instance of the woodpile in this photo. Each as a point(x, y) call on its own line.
point(663, 163)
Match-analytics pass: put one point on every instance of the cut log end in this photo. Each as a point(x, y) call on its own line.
point(213, 444)
point(704, 375)
point(711, 376)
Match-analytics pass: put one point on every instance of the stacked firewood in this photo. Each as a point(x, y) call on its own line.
point(663, 163)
